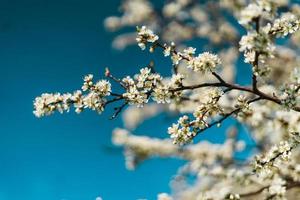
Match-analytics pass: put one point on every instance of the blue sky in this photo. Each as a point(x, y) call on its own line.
point(48, 46)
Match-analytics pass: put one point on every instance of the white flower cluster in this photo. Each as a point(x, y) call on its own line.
point(182, 133)
point(146, 84)
point(254, 43)
point(277, 189)
point(243, 106)
point(102, 87)
point(250, 13)
point(288, 23)
point(204, 62)
point(210, 107)
point(163, 92)
point(291, 92)
point(139, 88)
point(186, 129)
point(47, 103)
point(265, 164)
point(258, 9)
point(291, 95)
point(258, 45)
point(145, 36)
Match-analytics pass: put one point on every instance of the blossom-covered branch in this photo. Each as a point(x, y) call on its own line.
point(203, 90)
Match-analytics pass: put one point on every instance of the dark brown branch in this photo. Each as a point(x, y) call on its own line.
point(255, 63)
point(115, 94)
point(192, 87)
point(218, 77)
point(114, 100)
point(235, 87)
point(118, 110)
point(256, 192)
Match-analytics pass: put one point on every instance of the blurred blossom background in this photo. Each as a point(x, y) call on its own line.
point(48, 46)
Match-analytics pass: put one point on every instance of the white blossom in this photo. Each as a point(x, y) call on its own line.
point(176, 58)
point(288, 23)
point(189, 51)
point(251, 12)
point(145, 35)
point(103, 88)
point(204, 62)
point(88, 82)
point(167, 50)
point(164, 196)
point(161, 94)
point(277, 188)
point(135, 97)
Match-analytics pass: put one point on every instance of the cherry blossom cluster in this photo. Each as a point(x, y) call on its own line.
point(138, 89)
point(278, 153)
point(145, 35)
point(277, 189)
point(291, 91)
point(291, 96)
point(288, 23)
point(186, 129)
point(94, 98)
point(260, 8)
point(146, 84)
point(204, 62)
point(243, 105)
point(164, 92)
point(258, 43)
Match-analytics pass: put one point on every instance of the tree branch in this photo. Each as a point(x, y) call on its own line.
point(255, 63)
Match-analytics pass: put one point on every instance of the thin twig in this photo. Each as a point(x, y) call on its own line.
point(114, 100)
point(118, 110)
